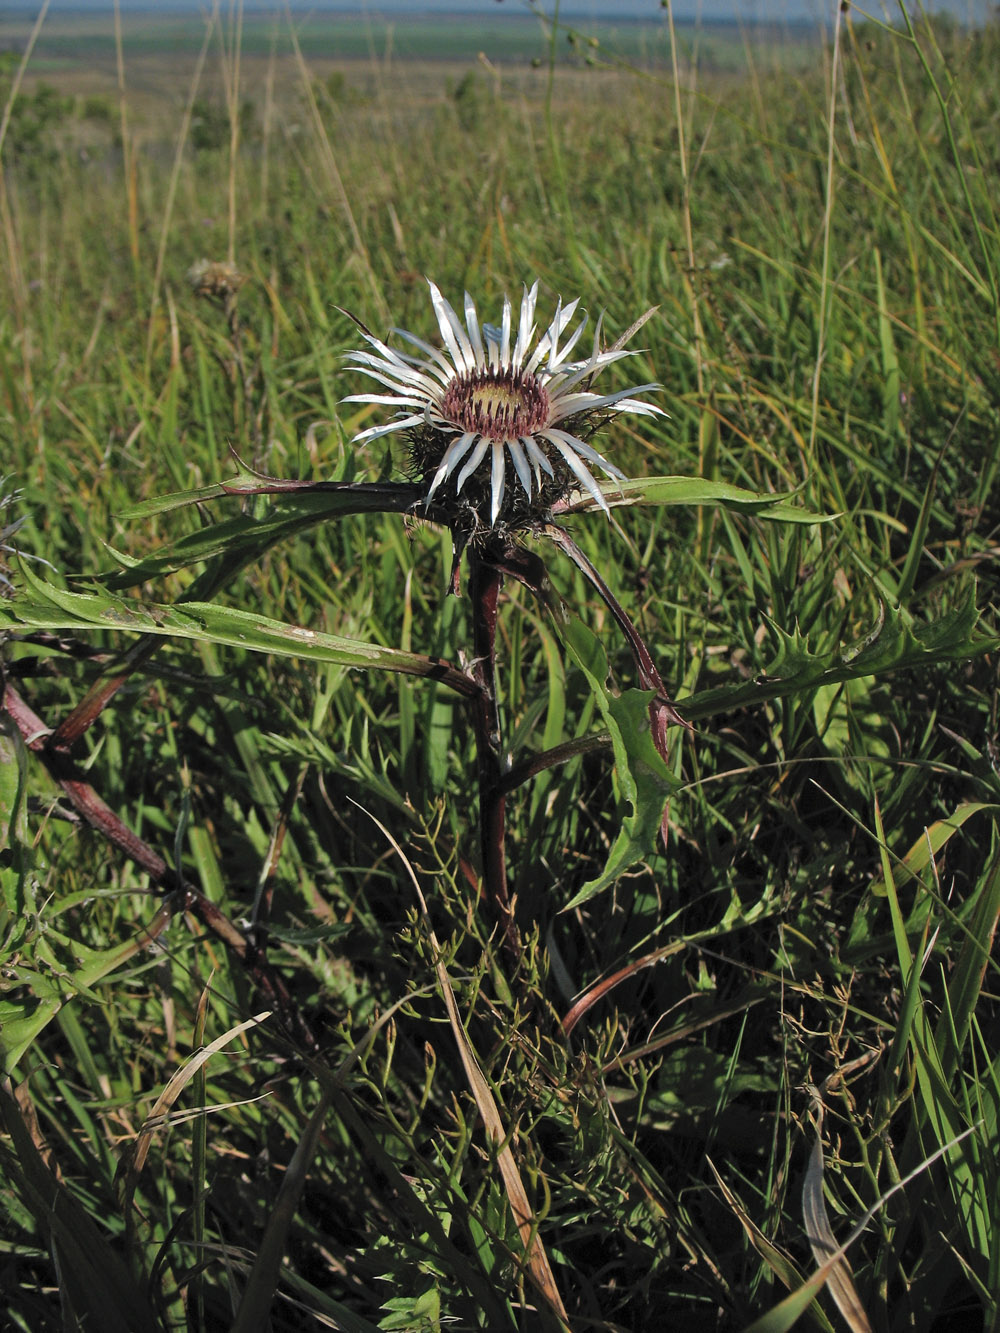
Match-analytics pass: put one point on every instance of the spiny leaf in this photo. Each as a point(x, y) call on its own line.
point(644, 779)
point(305, 504)
point(896, 641)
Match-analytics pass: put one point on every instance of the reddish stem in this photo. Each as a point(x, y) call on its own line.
point(485, 581)
point(184, 897)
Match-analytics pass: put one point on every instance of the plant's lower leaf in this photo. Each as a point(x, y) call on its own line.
point(308, 504)
point(895, 642)
point(643, 778)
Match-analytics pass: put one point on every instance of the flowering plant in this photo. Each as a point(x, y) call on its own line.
point(499, 424)
point(500, 427)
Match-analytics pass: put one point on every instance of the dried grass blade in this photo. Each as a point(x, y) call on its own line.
point(823, 1243)
point(781, 1317)
point(633, 328)
point(173, 1089)
point(538, 1261)
point(780, 1264)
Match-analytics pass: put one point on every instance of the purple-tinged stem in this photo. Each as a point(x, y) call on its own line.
point(485, 581)
point(662, 713)
point(182, 895)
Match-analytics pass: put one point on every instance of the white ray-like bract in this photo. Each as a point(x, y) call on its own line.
point(496, 405)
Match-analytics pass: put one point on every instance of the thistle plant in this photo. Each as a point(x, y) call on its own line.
point(499, 428)
point(488, 407)
point(498, 425)
point(825, 913)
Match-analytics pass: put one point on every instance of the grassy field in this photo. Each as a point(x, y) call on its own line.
point(279, 1054)
point(77, 42)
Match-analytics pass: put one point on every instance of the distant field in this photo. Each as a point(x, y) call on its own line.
point(423, 58)
point(87, 40)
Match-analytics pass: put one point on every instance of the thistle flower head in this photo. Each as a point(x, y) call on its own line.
point(497, 419)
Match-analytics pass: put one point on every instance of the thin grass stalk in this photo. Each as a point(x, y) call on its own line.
point(266, 129)
point(19, 290)
point(18, 286)
point(199, 1162)
point(168, 207)
point(231, 74)
point(336, 178)
point(22, 65)
point(555, 148)
point(708, 428)
point(825, 290)
point(962, 173)
point(381, 72)
point(682, 160)
point(128, 151)
point(906, 221)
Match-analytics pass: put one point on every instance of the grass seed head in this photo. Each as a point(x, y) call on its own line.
point(215, 280)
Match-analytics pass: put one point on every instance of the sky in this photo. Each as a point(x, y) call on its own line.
point(745, 10)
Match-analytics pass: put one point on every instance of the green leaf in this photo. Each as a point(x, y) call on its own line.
point(15, 852)
point(698, 491)
point(644, 780)
point(54, 608)
point(896, 641)
point(930, 842)
point(54, 968)
point(308, 504)
point(413, 1314)
point(248, 536)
